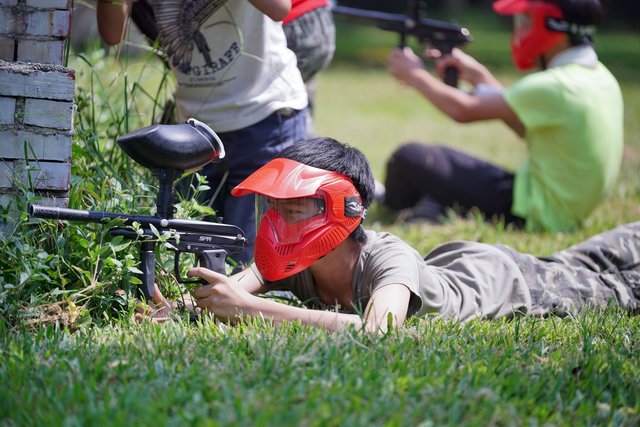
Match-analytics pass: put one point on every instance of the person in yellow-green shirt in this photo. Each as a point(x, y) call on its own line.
point(569, 112)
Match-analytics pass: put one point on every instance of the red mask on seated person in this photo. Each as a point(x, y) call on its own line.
point(539, 26)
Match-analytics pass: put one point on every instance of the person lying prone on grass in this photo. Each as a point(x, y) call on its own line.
point(311, 202)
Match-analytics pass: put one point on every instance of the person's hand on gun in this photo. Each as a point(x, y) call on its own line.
point(483, 103)
point(406, 66)
point(222, 295)
point(469, 69)
point(159, 309)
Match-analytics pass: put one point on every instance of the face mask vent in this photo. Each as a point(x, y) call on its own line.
point(290, 266)
point(284, 250)
point(328, 242)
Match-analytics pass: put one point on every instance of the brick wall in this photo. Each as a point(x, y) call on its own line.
point(36, 99)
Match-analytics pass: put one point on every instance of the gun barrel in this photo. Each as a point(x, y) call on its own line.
point(48, 212)
point(420, 27)
point(366, 16)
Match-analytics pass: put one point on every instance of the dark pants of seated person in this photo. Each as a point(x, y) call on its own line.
point(424, 180)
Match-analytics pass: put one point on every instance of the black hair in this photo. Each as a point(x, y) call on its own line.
point(581, 12)
point(329, 154)
point(585, 13)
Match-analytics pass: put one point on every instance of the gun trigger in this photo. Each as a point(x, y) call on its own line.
point(176, 272)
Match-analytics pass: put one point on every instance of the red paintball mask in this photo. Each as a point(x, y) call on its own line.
point(539, 26)
point(303, 213)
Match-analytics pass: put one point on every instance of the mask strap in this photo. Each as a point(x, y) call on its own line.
point(578, 33)
point(353, 207)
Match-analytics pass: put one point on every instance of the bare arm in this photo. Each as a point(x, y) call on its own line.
point(249, 281)
point(227, 299)
point(112, 16)
point(387, 308)
point(274, 9)
point(462, 107)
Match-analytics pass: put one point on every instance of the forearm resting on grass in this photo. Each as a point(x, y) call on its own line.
point(227, 299)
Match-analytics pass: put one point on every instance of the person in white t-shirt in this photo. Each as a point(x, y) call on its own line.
point(235, 73)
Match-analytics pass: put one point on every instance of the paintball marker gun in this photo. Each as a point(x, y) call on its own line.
point(168, 151)
point(444, 36)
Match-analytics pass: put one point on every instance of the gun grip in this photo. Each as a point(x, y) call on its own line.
point(147, 263)
point(451, 76)
point(402, 43)
point(214, 259)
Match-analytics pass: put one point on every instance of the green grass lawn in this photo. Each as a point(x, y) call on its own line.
point(68, 357)
point(564, 372)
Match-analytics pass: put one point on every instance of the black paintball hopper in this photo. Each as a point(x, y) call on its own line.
point(186, 147)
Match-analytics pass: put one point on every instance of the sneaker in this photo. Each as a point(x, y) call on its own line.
point(426, 210)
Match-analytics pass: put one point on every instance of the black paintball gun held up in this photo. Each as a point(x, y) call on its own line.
point(168, 151)
point(443, 36)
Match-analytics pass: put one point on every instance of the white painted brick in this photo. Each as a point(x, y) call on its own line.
point(49, 114)
point(55, 23)
point(48, 52)
point(51, 176)
point(36, 81)
point(7, 48)
point(7, 21)
point(6, 173)
point(44, 175)
point(54, 147)
point(13, 200)
point(49, 4)
point(6, 201)
point(59, 201)
point(7, 110)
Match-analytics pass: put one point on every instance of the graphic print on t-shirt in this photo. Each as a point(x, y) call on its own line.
point(179, 24)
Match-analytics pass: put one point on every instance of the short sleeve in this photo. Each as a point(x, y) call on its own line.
point(536, 100)
point(391, 262)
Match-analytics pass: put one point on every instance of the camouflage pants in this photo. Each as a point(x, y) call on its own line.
point(600, 270)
